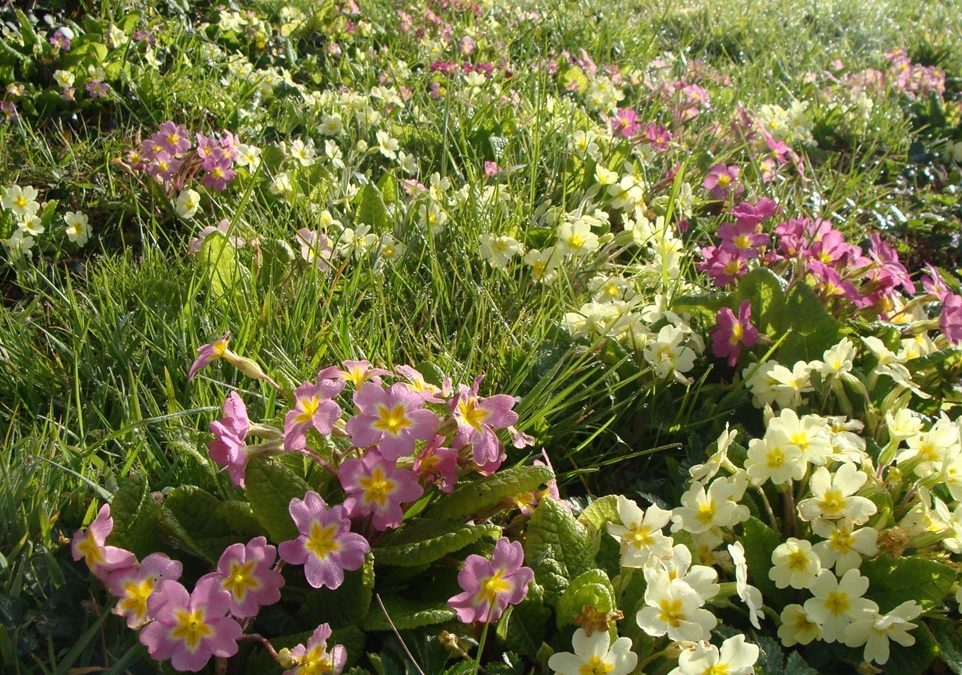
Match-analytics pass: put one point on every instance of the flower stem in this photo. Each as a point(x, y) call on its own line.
point(481, 642)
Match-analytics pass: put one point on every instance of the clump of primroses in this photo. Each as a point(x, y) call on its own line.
point(173, 156)
point(396, 436)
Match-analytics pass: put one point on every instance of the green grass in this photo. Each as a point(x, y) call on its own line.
point(94, 347)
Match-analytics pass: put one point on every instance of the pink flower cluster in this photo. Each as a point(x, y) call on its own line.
point(171, 157)
point(870, 280)
point(187, 628)
point(406, 435)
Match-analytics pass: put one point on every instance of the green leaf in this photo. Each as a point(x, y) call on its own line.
point(275, 259)
point(204, 524)
point(424, 541)
point(764, 290)
point(135, 515)
point(892, 582)
point(811, 330)
point(270, 488)
point(407, 614)
point(348, 605)
point(370, 208)
point(914, 659)
point(218, 256)
point(600, 512)
point(557, 547)
point(760, 542)
point(949, 637)
point(592, 588)
point(484, 493)
point(388, 188)
point(523, 627)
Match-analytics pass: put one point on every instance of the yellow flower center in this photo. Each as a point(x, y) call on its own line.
point(717, 669)
point(241, 579)
point(190, 628)
point(92, 553)
point(472, 413)
point(322, 540)
point(837, 603)
point(173, 139)
point(355, 375)
point(731, 268)
point(775, 458)
point(576, 241)
point(832, 502)
point(737, 332)
point(136, 594)
point(639, 535)
point(670, 612)
point(742, 241)
point(21, 202)
point(797, 560)
point(841, 541)
point(315, 662)
point(392, 420)
point(377, 487)
point(494, 586)
point(309, 406)
point(706, 512)
point(595, 666)
point(724, 180)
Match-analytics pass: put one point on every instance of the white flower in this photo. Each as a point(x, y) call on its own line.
point(595, 654)
point(355, 240)
point(333, 153)
point(770, 459)
point(604, 176)
point(751, 596)
point(593, 318)
point(32, 225)
point(875, 630)
point(543, 263)
point(433, 217)
point(837, 602)
point(673, 608)
point(576, 238)
point(667, 355)
point(331, 125)
point(390, 248)
point(408, 163)
point(902, 424)
point(63, 78)
point(843, 547)
point(702, 579)
point(707, 471)
point(628, 193)
point(797, 627)
point(498, 250)
point(702, 509)
point(78, 231)
point(249, 156)
point(834, 496)
point(19, 244)
point(810, 434)
point(838, 359)
point(611, 288)
point(789, 385)
point(386, 145)
point(282, 185)
point(303, 153)
point(736, 657)
point(640, 533)
point(928, 450)
point(187, 203)
point(794, 564)
point(21, 201)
